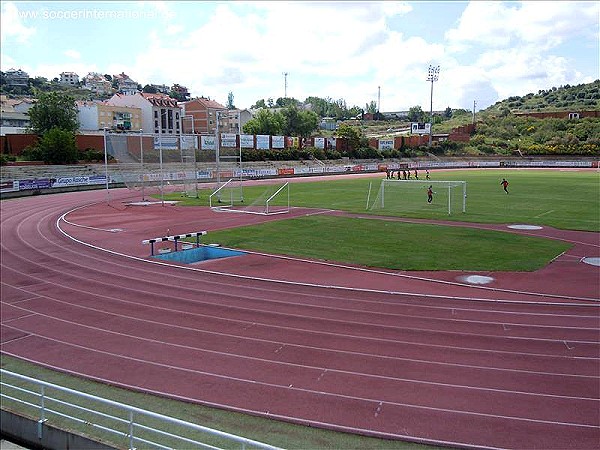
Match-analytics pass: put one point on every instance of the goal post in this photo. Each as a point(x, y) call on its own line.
point(410, 196)
point(274, 199)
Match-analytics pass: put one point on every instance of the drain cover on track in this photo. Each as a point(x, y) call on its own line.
point(591, 261)
point(477, 279)
point(525, 227)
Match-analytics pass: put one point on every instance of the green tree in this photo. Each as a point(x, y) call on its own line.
point(448, 113)
point(58, 146)
point(265, 122)
point(416, 114)
point(53, 110)
point(149, 89)
point(299, 123)
point(352, 134)
point(371, 107)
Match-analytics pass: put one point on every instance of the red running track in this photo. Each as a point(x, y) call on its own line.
point(423, 357)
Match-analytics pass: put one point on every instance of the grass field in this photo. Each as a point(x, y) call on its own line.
point(561, 199)
point(555, 198)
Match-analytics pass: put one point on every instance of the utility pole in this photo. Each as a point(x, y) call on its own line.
point(474, 104)
point(432, 75)
point(285, 74)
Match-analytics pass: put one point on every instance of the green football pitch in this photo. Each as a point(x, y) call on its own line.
point(555, 198)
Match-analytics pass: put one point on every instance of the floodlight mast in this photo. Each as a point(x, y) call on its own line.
point(432, 75)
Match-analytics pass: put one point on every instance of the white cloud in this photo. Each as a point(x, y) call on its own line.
point(11, 25)
point(74, 54)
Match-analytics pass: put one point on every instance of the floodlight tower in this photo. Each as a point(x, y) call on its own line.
point(285, 74)
point(432, 75)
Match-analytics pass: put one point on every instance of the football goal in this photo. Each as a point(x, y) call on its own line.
point(274, 199)
point(410, 196)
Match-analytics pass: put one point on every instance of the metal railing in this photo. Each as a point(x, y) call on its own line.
point(109, 420)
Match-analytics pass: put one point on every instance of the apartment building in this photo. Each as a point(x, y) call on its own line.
point(97, 115)
point(125, 85)
point(160, 113)
point(96, 82)
point(16, 77)
point(69, 79)
point(203, 112)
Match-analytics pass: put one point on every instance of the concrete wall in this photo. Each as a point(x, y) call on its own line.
point(24, 431)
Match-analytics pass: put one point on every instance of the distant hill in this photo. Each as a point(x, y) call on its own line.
point(577, 98)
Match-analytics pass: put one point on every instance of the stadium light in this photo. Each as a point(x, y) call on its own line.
point(432, 75)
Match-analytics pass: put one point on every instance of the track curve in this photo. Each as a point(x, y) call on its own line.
point(423, 358)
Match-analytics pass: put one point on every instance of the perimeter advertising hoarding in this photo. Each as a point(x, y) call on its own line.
point(228, 140)
point(207, 143)
point(246, 140)
point(262, 142)
point(420, 128)
point(189, 142)
point(319, 142)
point(331, 144)
point(292, 142)
point(278, 142)
point(386, 144)
point(165, 142)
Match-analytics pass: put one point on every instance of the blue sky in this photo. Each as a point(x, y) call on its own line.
point(487, 51)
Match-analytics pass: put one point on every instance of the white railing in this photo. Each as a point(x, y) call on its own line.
point(131, 426)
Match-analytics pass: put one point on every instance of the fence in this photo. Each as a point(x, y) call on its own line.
point(110, 421)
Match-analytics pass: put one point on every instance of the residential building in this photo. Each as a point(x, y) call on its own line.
point(16, 77)
point(125, 85)
point(204, 113)
point(96, 82)
point(159, 112)
point(69, 78)
point(96, 115)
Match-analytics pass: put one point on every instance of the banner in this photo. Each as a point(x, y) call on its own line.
point(331, 144)
point(292, 142)
point(278, 142)
point(420, 128)
point(207, 143)
point(320, 143)
point(228, 140)
point(386, 144)
point(165, 142)
point(262, 142)
point(189, 142)
point(246, 140)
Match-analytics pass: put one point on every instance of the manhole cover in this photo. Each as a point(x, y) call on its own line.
point(592, 261)
point(477, 279)
point(525, 227)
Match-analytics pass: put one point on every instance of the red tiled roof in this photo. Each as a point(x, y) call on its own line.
point(160, 100)
point(207, 103)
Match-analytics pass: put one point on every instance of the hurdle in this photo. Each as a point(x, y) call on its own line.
point(174, 238)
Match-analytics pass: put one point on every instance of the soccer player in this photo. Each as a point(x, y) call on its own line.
point(429, 194)
point(504, 184)
point(427, 174)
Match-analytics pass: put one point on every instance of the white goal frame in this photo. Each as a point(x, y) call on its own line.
point(449, 183)
point(266, 209)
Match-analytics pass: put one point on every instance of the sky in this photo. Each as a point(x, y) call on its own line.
point(358, 51)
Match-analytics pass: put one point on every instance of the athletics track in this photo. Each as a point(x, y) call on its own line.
point(420, 356)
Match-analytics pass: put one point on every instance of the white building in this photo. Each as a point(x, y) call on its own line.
point(96, 82)
point(69, 78)
point(160, 113)
point(125, 84)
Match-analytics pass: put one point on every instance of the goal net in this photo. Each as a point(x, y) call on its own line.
point(410, 196)
point(152, 163)
point(274, 199)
